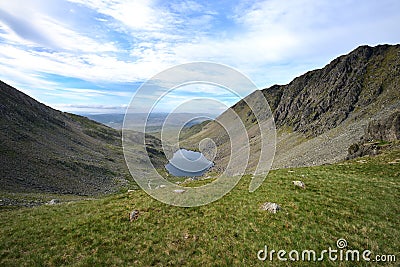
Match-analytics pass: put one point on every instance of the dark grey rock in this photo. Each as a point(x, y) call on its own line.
point(133, 215)
point(387, 129)
point(378, 132)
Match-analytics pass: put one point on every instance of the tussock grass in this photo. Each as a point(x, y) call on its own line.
point(351, 200)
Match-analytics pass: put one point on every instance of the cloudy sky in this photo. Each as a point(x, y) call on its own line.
point(91, 56)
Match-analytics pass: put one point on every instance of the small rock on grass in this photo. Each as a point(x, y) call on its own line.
point(299, 184)
point(53, 202)
point(271, 207)
point(179, 191)
point(133, 215)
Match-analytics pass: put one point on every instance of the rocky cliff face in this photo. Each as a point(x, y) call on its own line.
point(320, 100)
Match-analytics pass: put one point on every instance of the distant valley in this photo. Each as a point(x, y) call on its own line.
point(154, 121)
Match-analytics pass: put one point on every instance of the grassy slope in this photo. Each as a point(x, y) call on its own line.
point(356, 200)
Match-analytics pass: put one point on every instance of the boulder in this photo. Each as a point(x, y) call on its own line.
point(53, 202)
point(133, 215)
point(299, 184)
point(179, 191)
point(271, 207)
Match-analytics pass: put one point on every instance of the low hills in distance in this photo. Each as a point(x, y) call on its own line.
point(154, 122)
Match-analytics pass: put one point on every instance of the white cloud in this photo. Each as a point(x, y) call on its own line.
point(67, 39)
point(15, 77)
point(202, 88)
point(90, 108)
point(96, 93)
point(8, 34)
point(89, 67)
point(135, 14)
point(94, 106)
point(324, 25)
point(186, 7)
point(41, 29)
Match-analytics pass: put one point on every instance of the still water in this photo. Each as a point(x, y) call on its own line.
point(188, 163)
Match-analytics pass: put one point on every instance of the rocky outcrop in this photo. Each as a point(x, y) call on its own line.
point(322, 99)
point(387, 129)
point(379, 134)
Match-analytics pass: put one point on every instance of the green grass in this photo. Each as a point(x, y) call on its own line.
point(12, 201)
point(351, 200)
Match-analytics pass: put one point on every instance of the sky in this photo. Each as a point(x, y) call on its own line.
point(91, 56)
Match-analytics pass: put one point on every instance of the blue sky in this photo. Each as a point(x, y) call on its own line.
point(91, 56)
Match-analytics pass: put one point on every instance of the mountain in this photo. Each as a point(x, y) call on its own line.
point(320, 114)
point(45, 150)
